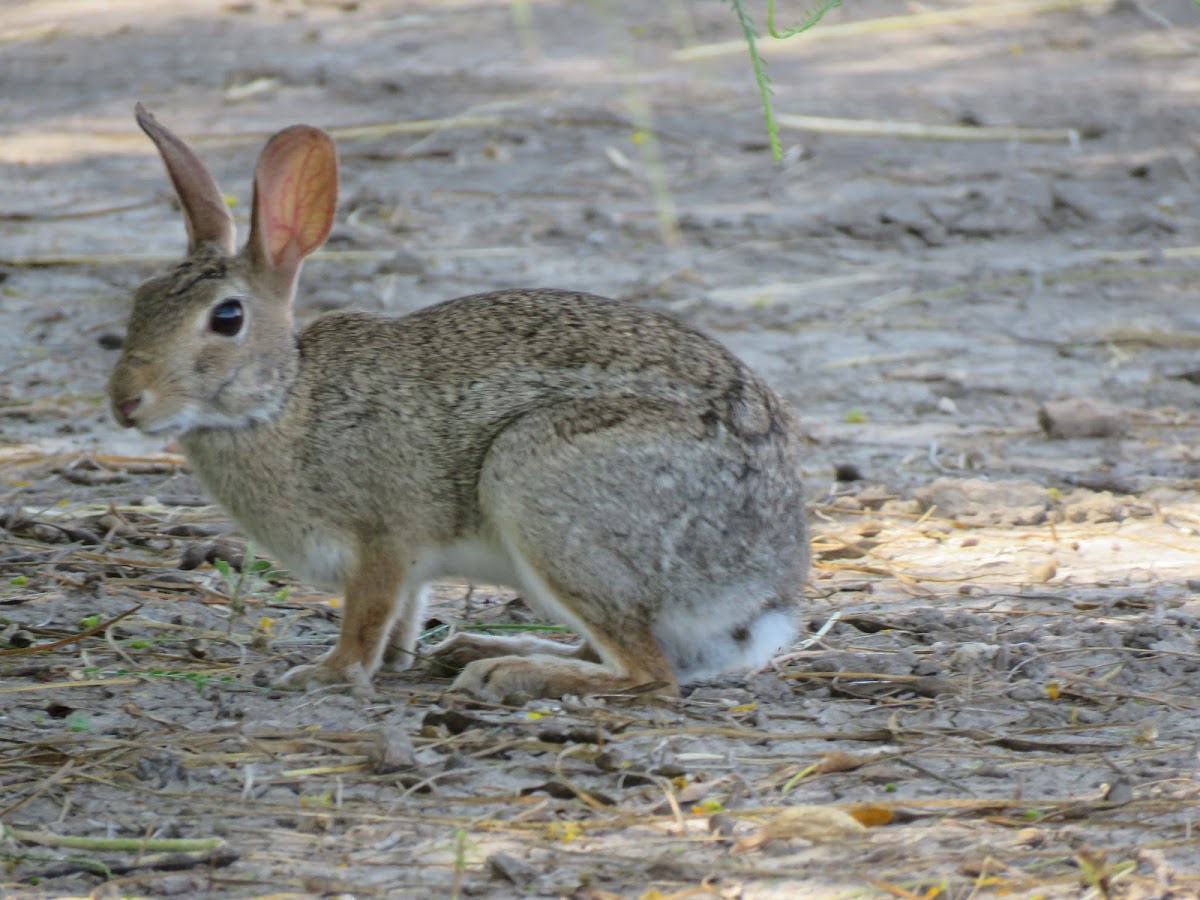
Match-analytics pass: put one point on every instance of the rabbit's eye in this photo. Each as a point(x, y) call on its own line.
point(227, 318)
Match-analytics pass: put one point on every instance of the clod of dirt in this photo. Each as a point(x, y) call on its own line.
point(874, 496)
point(391, 752)
point(511, 869)
point(847, 472)
point(195, 555)
point(974, 501)
point(813, 823)
point(1078, 417)
point(1095, 507)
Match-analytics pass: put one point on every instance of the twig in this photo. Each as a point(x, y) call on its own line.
point(71, 639)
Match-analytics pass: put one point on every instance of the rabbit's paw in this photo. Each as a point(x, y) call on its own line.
point(460, 650)
point(520, 678)
point(353, 678)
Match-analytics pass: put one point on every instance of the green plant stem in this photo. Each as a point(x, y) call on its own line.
point(760, 75)
point(759, 64)
point(813, 17)
point(154, 845)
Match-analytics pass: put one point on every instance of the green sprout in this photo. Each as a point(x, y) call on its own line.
point(760, 65)
point(252, 580)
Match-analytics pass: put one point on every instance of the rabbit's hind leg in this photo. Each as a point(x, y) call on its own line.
point(464, 647)
point(608, 661)
point(636, 664)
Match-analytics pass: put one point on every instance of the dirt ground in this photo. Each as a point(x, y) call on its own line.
point(991, 343)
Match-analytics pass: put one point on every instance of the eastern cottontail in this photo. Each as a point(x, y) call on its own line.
point(628, 474)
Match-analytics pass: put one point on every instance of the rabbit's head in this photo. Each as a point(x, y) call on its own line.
point(210, 344)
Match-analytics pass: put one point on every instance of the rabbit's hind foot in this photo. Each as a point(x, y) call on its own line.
point(517, 678)
point(463, 648)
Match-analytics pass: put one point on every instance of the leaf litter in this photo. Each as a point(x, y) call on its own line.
point(892, 743)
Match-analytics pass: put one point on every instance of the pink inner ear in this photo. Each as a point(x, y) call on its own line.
point(297, 193)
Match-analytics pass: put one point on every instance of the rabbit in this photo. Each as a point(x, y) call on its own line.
point(627, 474)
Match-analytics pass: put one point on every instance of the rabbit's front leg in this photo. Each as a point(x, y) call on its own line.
point(373, 590)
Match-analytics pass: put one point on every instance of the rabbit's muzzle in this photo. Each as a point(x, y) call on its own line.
point(123, 410)
point(127, 391)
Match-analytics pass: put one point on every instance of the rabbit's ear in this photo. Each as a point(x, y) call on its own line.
point(295, 197)
point(204, 210)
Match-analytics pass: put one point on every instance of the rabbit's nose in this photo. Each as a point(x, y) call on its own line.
point(126, 409)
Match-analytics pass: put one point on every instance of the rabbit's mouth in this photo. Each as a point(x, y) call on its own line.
point(140, 412)
point(191, 416)
point(145, 411)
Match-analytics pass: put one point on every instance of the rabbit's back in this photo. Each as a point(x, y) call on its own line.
point(483, 351)
point(433, 390)
point(481, 361)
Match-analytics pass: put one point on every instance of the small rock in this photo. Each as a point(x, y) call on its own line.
point(932, 686)
point(882, 773)
point(769, 687)
point(1078, 417)
point(20, 639)
point(976, 501)
point(722, 824)
point(513, 870)
point(927, 666)
point(195, 555)
point(876, 495)
point(1027, 691)
point(1120, 791)
point(391, 752)
point(901, 508)
point(990, 770)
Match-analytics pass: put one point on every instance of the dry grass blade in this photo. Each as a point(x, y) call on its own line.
point(66, 215)
point(34, 32)
point(921, 131)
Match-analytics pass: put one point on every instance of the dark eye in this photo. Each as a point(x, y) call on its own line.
point(227, 318)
